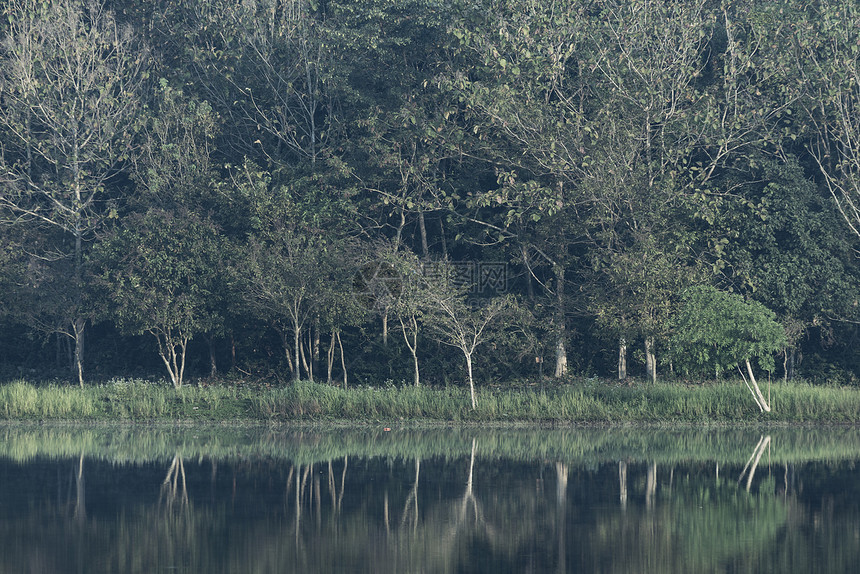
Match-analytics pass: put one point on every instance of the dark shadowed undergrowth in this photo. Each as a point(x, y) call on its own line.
point(578, 402)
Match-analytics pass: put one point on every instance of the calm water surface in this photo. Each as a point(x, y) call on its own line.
point(89, 500)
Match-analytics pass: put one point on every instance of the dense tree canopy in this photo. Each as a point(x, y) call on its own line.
point(267, 185)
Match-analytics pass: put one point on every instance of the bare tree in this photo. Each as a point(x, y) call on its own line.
point(828, 64)
point(69, 79)
point(455, 321)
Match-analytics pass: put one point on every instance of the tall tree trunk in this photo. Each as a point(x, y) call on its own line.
point(78, 328)
point(385, 327)
point(288, 352)
point(68, 352)
point(650, 360)
point(342, 361)
point(58, 350)
point(422, 227)
point(330, 358)
point(561, 325)
point(213, 364)
point(232, 352)
point(444, 242)
point(297, 332)
point(788, 363)
point(311, 353)
point(471, 380)
point(78, 323)
point(530, 288)
point(622, 359)
point(413, 344)
point(305, 362)
point(316, 351)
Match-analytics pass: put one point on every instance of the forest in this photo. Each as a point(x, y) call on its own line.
point(430, 192)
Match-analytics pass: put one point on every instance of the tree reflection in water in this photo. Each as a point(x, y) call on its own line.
point(479, 510)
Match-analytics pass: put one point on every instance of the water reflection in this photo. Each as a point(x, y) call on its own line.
point(264, 501)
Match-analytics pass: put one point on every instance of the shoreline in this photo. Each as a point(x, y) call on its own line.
point(574, 403)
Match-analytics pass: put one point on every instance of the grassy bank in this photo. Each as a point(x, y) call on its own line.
point(579, 401)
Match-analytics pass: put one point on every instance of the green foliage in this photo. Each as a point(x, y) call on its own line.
point(173, 165)
point(778, 240)
point(715, 331)
point(244, 162)
point(826, 44)
point(161, 275)
point(161, 271)
point(70, 77)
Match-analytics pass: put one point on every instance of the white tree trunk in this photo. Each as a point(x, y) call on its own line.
point(342, 360)
point(650, 360)
point(330, 358)
point(296, 352)
point(560, 357)
point(757, 394)
point(561, 318)
point(413, 344)
point(622, 359)
point(78, 326)
point(471, 381)
point(173, 355)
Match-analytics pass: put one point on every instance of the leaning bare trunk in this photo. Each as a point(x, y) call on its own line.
point(757, 394)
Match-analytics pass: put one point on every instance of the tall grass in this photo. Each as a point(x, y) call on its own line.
point(584, 401)
point(120, 399)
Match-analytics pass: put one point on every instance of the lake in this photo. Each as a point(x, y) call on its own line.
point(253, 500)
